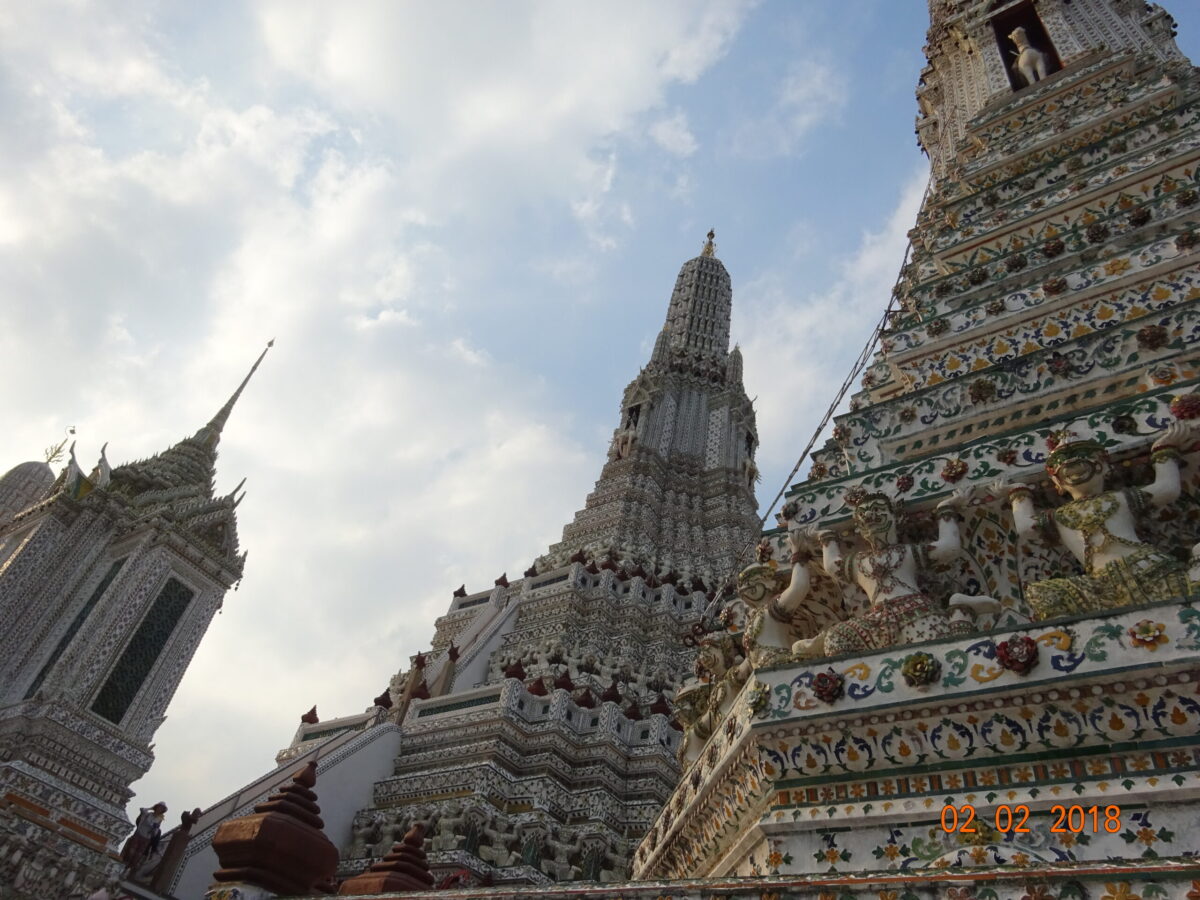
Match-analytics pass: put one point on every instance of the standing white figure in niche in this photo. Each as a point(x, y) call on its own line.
point(1031, 62)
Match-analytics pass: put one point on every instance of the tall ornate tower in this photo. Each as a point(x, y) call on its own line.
point(676, 492)
point(107, 584)
point(537, 736)
point(1051, 292)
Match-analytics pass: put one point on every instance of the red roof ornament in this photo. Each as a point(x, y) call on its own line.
point(531, 571)
point(310, 717)
point(452, 652)
point(280, 847)
point(384, 700)
point(578, 556)
point(537, 687)
point(404, 869)
point(660, 707)
point(632, 712)
point(564, 681)
point(586, 700)
point(515, 670)
point(502, 581)
point(419, 661)
point(612, 693)
point(461, 590)
point(421, 691)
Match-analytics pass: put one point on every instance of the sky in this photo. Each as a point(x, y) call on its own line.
point(461, 223)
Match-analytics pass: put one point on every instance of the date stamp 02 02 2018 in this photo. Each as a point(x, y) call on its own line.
point(1067, 819)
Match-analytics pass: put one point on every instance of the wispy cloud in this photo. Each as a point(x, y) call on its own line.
point(810, 93)
point(673, 134)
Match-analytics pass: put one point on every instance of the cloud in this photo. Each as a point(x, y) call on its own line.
point(673, 135)
point(469, 355)
point(529, 90)
point(811, 92)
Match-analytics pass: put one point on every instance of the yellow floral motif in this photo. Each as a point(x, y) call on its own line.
point(861, 671)
point(1020, 859)
point(982, 673)
point(1060, 640)
point(774, 859)
point(831, 856)
point(1117, 266)
point(1119, 891)
point(1147, 836)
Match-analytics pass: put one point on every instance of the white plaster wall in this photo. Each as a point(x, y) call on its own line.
point(346, 773)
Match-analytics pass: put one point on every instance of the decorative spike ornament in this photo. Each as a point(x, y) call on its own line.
point(280, 847)
point(404, 869)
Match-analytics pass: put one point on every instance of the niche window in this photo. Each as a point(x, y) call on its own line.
point(1004, 25)
point(142, 651)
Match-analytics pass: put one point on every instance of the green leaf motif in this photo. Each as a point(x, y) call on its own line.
point(956, 663)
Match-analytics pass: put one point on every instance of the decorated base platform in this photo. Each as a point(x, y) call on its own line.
point(1048, 746)
point(1143, 880)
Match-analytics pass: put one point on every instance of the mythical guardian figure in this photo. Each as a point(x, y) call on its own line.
point(1099, 528)
point(900, 612)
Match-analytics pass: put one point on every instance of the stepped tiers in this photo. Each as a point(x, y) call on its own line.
point(536, 739)
point(975, 626)
point(108, 581)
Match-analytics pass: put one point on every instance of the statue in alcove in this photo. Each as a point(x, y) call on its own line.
point(1099, 527)
point(1031, 62)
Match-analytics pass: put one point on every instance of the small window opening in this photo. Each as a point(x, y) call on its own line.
point(1018, 62)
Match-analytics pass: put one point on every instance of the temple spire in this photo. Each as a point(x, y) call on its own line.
point(211, 433)
point(710, 249)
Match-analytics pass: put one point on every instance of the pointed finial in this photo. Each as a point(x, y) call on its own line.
point(103, 472)
point(709, 248)
point(211, 433)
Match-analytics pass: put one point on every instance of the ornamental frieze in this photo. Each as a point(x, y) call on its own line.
point(1050, 328)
